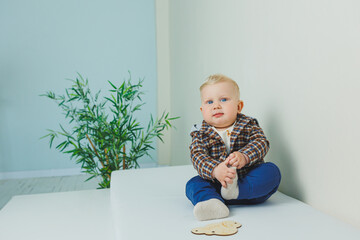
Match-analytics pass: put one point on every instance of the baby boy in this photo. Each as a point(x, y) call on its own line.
point(228, 152)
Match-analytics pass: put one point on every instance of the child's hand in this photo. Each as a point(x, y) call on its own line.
point(236, 159)
point(224, 174)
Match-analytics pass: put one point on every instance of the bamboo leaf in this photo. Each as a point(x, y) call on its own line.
point(112, 85)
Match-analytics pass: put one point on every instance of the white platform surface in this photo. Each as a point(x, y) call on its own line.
point(66, 216)
point(151, 204)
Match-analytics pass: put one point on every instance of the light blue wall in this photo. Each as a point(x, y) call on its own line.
point(44, 42)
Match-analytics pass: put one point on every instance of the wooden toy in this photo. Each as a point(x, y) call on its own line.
point(224, 228)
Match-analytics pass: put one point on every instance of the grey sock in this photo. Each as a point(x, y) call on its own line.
point(210, 209)
point(231, 191)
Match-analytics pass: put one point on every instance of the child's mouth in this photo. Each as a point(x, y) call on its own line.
point(217, 115)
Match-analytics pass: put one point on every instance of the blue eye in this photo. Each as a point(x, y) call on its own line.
point(209, 102)
point(223, 100)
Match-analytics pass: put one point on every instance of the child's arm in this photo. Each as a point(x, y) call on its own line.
point(202, 162)
point(207, 167)
point(257, 146)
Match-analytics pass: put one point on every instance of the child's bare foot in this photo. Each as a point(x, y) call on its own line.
point(232, 190)
point(210, 209)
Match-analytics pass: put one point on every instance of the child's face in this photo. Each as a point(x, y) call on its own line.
point(220, 105)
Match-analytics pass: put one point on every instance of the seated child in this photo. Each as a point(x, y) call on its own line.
point(228, 153)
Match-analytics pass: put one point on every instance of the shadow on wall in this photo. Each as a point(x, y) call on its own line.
point(6, 74)
point(280, 154)
point(4, 138)
point(5, 150)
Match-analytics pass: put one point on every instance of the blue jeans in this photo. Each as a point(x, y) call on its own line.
point(256, 187)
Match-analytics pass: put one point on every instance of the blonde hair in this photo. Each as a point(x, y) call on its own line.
point(218, 78)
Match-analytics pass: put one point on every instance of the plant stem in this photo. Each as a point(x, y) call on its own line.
point(96, 153)
point(106, 156)
point(117, 162)
point(124, 158)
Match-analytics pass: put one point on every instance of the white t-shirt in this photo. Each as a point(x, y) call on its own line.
point(225, 135)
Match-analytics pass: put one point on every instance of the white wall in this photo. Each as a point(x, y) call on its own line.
point(297, 65)
point(163, 76)
point(43, 43)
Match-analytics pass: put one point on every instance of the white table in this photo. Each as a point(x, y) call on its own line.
point(66, 216)
point(151, 204)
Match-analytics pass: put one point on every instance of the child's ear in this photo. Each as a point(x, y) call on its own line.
point(240, 106)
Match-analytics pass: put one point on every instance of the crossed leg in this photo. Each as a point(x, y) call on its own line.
point(256, 187)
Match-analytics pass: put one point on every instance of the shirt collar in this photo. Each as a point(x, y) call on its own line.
point(241, 121)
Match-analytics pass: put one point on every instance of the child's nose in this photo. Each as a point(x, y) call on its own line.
point(216, 105)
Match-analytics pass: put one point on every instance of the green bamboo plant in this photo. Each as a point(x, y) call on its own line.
point(104, 135)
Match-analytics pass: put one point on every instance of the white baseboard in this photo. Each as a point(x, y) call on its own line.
point(55, 172)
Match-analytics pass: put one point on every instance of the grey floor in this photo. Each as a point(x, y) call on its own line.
point(13, 187)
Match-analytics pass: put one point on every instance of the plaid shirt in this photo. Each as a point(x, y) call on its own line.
point(208, 149)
